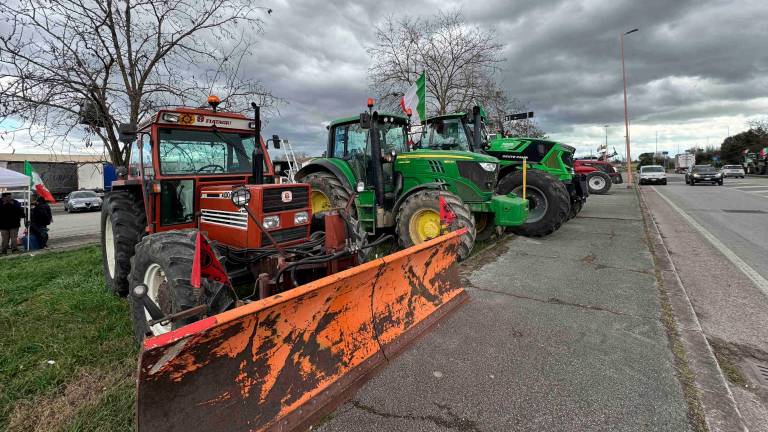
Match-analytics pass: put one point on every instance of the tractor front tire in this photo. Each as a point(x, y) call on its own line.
point(548, 201)
point(122, 226)
point(163, 262)
point(418, 219)
point(599, 183)
point(327, 192)
point(484, 226)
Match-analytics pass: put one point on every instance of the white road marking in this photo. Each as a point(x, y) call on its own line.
point(755, 277)
point(747, 187)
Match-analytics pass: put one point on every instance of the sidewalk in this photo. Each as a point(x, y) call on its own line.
point(561, 333)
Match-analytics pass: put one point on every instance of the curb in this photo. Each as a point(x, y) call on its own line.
point(720, 410)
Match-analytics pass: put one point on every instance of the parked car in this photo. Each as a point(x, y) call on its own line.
point(703, 173)
point(732, 171)
point(603, 166)
point(82, 201)
point(653, 174)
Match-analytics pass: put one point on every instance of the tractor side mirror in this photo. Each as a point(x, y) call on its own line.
point(365, 120)
point(126, 133)
point(276, 141)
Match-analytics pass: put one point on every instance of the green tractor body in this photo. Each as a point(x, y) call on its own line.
point(398, 185)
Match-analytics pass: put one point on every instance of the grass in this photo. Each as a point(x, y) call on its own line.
point(728, 363)
point(67, 356)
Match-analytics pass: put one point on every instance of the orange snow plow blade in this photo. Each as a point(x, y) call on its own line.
point(282, 362)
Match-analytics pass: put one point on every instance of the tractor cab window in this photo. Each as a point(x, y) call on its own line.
point(349, 141)
point(198, 152)
point(446, 134)
point(134, 166)
point(392, 137)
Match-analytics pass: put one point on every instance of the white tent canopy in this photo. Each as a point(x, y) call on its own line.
point(12, 179)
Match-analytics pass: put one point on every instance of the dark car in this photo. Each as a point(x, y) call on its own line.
point(83, 200)
point(703, 173)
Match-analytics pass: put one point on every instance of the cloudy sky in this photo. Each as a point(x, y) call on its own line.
point(696, 69)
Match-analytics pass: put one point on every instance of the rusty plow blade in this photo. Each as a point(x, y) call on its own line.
point(282, 362)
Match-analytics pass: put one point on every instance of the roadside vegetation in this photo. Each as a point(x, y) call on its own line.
point(67, 357)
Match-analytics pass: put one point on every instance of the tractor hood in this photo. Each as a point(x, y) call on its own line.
point(447, 155)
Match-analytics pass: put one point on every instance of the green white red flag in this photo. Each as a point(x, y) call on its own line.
point(414, 100)
point(36, 183)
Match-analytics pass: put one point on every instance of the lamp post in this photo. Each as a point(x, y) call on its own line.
point(656, 152)
point(626, 114)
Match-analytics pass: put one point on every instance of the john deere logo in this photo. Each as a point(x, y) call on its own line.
point(186, 119)
point(287, 196)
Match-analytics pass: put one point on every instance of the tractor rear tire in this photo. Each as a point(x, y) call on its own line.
point(548, 201)
point(484, 226)
point(327, 187)
point(576, 207)
point(163, 262)
point(599, 183)
point(425, 205)
point(122, 226)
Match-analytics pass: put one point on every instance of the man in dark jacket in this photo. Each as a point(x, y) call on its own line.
point(40, 219)
point(10, 215)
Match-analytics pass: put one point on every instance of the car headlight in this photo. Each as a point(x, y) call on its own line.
point(718, 175)
point(488, 166)
point(300, 218)
point(271, 222)
point(696, 175)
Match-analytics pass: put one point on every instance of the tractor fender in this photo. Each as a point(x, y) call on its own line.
point(325, 165)
point(402, 198)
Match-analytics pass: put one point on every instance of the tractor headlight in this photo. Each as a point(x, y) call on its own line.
point(488, 166)
point(241, 197)
point(300, 218)
point(271, 222)
point(171, 117)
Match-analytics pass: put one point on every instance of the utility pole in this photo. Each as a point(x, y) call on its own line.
point(655, 152)
point(626, 113)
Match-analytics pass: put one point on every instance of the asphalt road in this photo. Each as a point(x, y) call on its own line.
point(73, 229)
point(718, 242)
point(561, 334)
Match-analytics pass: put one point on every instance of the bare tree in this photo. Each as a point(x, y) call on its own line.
point(498, 104)
point(78, 68)
point(458, 59)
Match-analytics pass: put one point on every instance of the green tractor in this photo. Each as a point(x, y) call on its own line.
point(554, 192)
point(370, 166)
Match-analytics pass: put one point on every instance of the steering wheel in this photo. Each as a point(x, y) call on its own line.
point(214, 166)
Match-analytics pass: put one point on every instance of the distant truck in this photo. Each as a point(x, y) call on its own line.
point(684, 161)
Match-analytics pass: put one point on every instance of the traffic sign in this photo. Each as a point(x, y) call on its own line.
point(518, 116)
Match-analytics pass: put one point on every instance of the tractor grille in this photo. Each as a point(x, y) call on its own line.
point(273, 199)
point(483, 179)
point(285, 235)
point(227, 218)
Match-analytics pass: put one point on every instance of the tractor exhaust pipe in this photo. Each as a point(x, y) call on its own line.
point(258, 156)
point(477, 138)
point(378, 170)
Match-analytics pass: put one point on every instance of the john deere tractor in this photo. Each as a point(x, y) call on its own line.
point(391, 184)
point(553, 192)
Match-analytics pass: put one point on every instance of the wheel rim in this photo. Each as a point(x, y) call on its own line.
point(537, 202)
point(109, 246)
point(481, 222)
point(424, 225)
point(320, 202)
point(596, 182)
point(157, 291)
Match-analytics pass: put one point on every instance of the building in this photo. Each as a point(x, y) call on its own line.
point(63, 174)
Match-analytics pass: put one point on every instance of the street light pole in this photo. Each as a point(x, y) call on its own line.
point(626, 114)
point(656, 152)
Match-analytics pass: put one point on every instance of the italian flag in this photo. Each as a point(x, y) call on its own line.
point(764, 152)
point(37, 183)
point(414, 99)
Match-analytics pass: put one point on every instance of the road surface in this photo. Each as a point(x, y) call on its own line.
point(717, 237)
point(73, 229)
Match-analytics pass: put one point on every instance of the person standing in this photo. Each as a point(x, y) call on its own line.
point(40, 219)
point(10, 215)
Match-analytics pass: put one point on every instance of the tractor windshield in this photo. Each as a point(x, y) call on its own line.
point(446, 134)
point(185, 152)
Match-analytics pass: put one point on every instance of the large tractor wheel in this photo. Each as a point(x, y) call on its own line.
point(122, 225)
point(484, 226)
point(163, 262)
point(599, 183)
point(418, 219)
point(327, 192)
point(548, 201)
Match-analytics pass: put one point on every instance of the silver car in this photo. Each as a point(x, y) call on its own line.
point(653, 174)
point(82, 201)
point(732, 171)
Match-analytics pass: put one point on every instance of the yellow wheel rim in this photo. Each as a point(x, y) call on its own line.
point(480, 222)
point(320, 202)
point(424, 225)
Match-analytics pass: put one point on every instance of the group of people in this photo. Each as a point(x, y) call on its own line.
point(11, 215)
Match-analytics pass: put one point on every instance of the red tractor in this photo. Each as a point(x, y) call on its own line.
point(600, 175)
point(203, 171)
